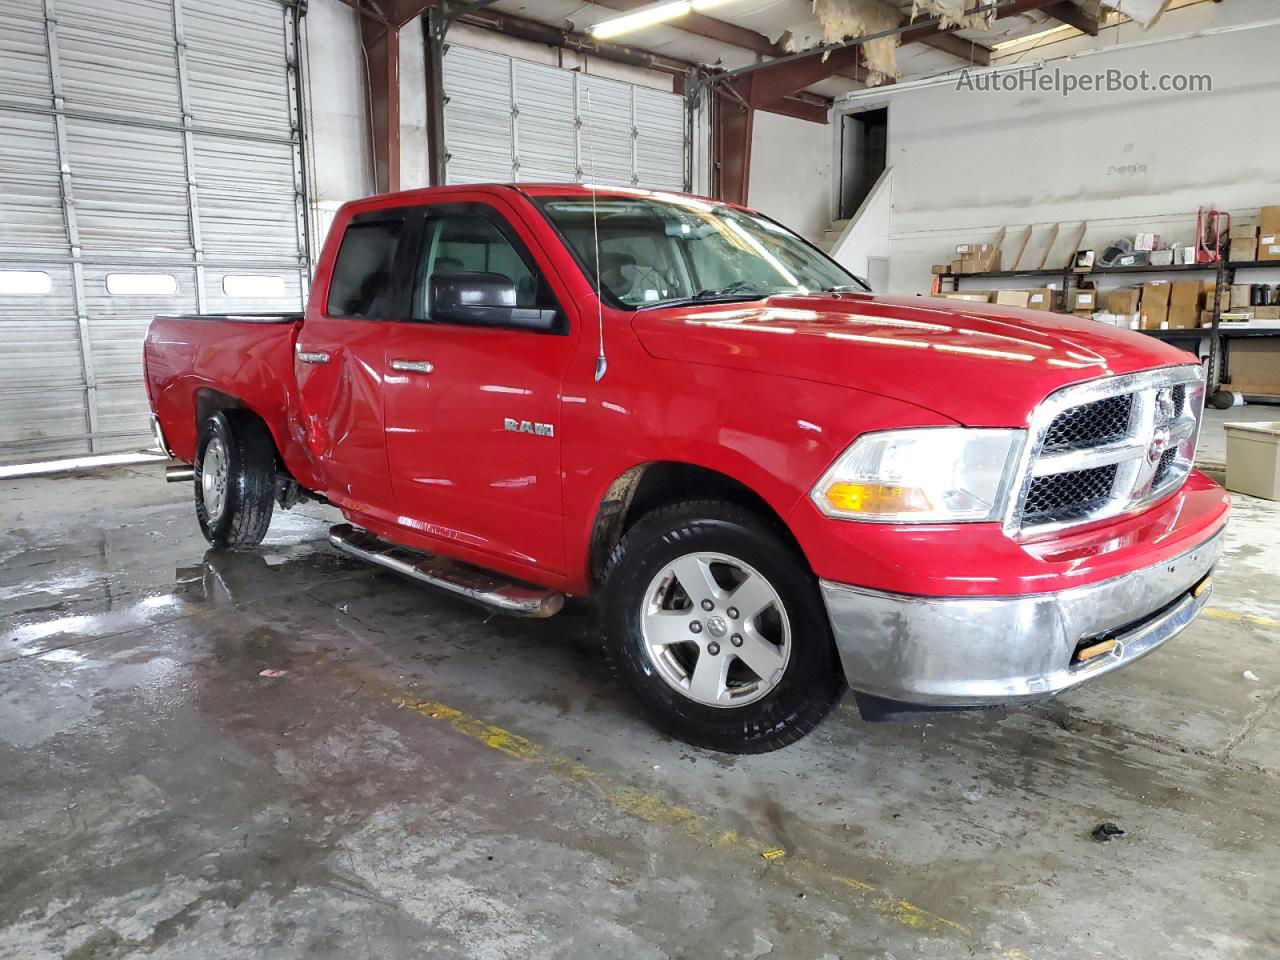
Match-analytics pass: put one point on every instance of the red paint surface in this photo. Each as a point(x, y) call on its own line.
point(768, 394)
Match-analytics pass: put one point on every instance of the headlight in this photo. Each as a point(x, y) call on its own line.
point(923, 475)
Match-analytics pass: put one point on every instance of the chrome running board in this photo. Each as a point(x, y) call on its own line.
point(491, 589)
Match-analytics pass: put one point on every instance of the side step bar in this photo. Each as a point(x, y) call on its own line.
point(491, 589)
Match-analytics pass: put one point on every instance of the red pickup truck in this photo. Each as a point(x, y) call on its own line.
point(774, 482)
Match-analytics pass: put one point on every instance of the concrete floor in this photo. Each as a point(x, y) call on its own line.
point(421, 782)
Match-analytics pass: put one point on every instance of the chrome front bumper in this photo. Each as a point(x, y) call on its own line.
point(975, 651)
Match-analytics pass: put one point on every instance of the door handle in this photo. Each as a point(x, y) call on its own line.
point(316, 356)
point(413, 366)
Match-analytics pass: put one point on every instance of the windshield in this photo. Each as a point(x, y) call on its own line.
point(663, 251)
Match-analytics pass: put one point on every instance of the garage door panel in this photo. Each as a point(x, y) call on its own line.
point(635, 136)
point(246, 201)
point(30, 193)
point(235, 64)
point(119, 57)
point(131, 188)
point(660, 137)
point(244, 290)
point(60, 431)
point(546, 123)
point(24, 54)
point(122, 414)
point(605, 108)
point(478, 116)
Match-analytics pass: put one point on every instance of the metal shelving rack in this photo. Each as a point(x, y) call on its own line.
point(1217, 334)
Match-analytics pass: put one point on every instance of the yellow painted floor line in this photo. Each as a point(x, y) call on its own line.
point(652, 808)
point(1236, 617)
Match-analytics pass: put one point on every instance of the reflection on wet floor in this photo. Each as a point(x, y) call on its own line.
point(209, 754)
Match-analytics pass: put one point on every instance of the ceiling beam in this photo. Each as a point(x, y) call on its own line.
point(959, 47)
point(1072, 16)
point(730, 34)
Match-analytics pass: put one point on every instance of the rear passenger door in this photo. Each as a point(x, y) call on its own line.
point(338, 362)
point(473, 412)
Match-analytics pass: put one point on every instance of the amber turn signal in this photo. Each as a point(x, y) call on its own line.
point(853, 497)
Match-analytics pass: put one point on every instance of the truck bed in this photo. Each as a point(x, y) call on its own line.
point(192, 359)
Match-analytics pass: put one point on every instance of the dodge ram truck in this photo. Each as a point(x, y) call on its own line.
point(773, 482)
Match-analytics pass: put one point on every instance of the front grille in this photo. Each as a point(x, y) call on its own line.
point(1166, 464)
point(1095, 445)
point(1062, 497)
point(1090, 424)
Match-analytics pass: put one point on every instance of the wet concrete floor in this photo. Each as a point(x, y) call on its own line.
point(289, 754)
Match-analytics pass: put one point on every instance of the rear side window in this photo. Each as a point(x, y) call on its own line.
point(361, 283)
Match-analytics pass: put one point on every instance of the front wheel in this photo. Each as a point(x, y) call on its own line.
point(715, 622)
point(235, 479)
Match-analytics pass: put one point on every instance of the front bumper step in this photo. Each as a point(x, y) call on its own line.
point(490, 589)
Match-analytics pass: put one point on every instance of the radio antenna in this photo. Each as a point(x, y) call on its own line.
point(602, 362)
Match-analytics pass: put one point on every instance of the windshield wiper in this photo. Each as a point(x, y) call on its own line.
point(737, 287)
point(738, 290)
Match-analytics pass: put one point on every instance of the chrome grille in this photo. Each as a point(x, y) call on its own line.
point(1064, 496)
point(1090, 424)
point(1106, 447)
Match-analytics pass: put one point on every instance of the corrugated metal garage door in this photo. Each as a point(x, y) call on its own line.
point(149, 164)
point(508, 119)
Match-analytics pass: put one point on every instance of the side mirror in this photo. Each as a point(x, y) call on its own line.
point(484, 299)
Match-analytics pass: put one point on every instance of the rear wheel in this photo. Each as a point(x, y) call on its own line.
point(235, 479)
point(715, 622)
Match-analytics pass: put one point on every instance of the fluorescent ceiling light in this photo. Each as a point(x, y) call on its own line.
point(649, 15)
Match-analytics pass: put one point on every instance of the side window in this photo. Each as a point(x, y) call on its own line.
point(362, 273)
point(460, 243)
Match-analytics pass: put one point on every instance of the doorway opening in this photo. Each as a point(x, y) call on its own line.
point(864, 139)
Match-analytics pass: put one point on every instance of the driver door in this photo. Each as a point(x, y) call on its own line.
point(472, 411)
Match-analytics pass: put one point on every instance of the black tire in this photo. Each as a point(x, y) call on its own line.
point(250, 481)
point(811, 681)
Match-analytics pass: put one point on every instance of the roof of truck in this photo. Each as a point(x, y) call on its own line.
point(528, 189)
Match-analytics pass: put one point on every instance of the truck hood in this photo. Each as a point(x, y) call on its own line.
point(978, 364)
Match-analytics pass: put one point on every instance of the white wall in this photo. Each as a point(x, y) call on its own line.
point(791, 172)
point(967, 163)
point(865, 242)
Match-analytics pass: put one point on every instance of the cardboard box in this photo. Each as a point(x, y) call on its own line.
point(976, 296)
point(1206, 318)
point(1013, 298)
point(1243, 251)
point(940, 268)
point(1042, 299)
point(1156, 294)
point(1084, 301)
point(1239, 296)
point(1269, 220)
point(1244, 231)
point(1155, 315)
point(1183, 317)
point(1266, 313)
point(1185, 293)
point(1124, 300)
point(1269, 247)
point(1254, 365)
point(1253, 457)
point(957, 266)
